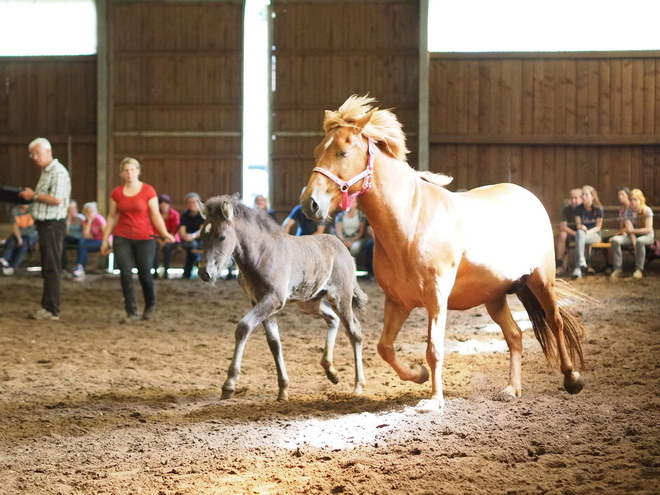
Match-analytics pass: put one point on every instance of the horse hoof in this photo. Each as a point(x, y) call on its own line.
point(226, 394)
point(574, 383)
point(283, 395)
point(430, 405)
point(511, 392)
point(332, 376)
point(358, 389)
point(420, 371)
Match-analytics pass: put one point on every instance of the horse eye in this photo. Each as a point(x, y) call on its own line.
point(342, 154)
point(223, 237)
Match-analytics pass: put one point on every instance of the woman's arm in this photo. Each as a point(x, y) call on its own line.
point(598, 227)
point(111, 221)
point(157, 220)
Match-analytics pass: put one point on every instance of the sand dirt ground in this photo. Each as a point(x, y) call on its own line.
point(92, 406)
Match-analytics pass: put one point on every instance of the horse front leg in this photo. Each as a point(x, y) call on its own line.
point(395, 316)
point(435, 354)
point(259, 312)
point(501, 314)
point(275, 346)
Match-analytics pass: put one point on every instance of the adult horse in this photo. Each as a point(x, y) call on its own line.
point(316, 271)
point(442, 250)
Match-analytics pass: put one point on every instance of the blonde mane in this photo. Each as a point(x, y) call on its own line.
point(382, 127)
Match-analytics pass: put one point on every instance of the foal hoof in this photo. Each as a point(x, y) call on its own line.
point(283, 395)
point(227, 394)
point(420, 371)
point(573, 383)
point(332, 375)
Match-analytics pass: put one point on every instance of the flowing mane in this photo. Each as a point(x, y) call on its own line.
point(382, 127)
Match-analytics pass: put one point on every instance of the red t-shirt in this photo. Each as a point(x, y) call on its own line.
point(133, 221)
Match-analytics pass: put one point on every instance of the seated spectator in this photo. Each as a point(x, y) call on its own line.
point(369, 245)
point(92, 237)
point(171, 218)
point(589, 220)
point(189, 232)
point(22, 239)
point(350, 228)
point(260, 201)
point(74, 224)
point(567, 227)
point(638, 228)
point(623, 196)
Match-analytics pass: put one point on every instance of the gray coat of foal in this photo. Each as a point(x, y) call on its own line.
point(317, 272)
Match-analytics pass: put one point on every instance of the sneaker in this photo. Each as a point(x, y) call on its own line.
point(638, 274)
point(7, 270)
point(577, 273)
point(148, 313)
point(4, 262)
point(582, 263)
point(44, 314)
point(129, 319)
point(616, 274)
point(78, 272)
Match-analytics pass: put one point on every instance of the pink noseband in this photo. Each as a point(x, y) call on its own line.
point(344, 185)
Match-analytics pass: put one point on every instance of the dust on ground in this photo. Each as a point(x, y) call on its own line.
point(92, 406)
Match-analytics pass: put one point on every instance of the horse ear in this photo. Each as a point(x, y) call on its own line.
point(202, 209)
point(364, 120)
point(227, 210)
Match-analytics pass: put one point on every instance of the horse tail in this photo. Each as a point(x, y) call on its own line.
point(573, 328)
point(359, 301)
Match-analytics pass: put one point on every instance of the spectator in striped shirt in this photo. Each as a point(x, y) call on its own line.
point(50, 201)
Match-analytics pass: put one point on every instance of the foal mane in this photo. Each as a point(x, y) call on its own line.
point(383, 126)
point(253, 216)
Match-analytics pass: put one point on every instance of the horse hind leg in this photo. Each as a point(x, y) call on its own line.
point(544, 291)
point(344, 310)
point(275, 346)
point(501, 314)
point(322, 309)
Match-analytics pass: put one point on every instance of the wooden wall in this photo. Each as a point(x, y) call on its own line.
point(55, 98)
point(176, 95)
point(549, 122)
point(325, 52)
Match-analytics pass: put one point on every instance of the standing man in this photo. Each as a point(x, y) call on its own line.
point(50, 203)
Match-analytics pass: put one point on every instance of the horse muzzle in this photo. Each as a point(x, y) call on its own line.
point(315, 207)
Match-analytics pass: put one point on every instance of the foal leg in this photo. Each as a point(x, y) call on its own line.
point(344, 310)
point(275, 345)
point(501, 314)
point(323, 310)
point(259, 312)
point(543, 288)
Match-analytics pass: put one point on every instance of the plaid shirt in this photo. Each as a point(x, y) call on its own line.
point(54, 181)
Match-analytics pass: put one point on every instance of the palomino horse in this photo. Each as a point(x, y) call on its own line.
point(276, 268)
point(442, 250)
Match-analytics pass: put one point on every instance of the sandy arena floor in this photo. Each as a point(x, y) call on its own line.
point(92, 406)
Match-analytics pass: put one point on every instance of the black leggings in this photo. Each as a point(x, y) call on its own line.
point(142, 252)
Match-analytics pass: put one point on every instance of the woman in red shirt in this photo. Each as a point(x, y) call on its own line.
point(133, 210)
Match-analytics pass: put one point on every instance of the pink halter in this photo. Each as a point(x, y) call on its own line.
point(345, 185)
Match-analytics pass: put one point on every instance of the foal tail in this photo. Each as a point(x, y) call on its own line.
point(573, 328)
point(359, 301)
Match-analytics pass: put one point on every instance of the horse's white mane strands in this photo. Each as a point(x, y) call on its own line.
point(382, 127)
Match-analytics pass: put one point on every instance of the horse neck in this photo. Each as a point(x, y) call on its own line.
point(387, 204)
point(249, 240)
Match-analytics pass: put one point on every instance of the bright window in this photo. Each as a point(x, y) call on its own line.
point(532, 26)
point(46, 27)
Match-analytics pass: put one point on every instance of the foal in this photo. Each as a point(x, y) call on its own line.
point(317, 272)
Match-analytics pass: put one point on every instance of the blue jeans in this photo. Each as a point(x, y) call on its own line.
point(192, 259)
point(87, 246)
point(14, 253)
point(142, 252)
